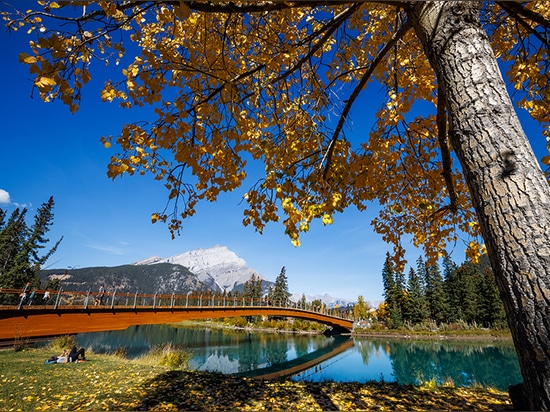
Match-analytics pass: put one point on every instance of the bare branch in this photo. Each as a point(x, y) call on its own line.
point(364, 80)
point(333, 25)
point(517, 11)
point(446, 160)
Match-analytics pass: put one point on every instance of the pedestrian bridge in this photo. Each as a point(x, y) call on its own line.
point(67, 313)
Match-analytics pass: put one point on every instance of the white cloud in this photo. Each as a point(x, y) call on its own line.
point(114, 250)
point(4, 197)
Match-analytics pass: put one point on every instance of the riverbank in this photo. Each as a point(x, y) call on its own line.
point(448, 334)
point(107, 382)
point(470, 335)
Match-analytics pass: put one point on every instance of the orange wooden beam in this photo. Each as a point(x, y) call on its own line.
point(67, 320)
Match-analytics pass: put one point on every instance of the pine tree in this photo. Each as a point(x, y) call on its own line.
point(280, 293)
point(435, 294)
point(490, 307)
point(12, 235)
point(388, 280)
point(396, 319)
point(303, 301)
point(417, 310)
point(452, 289)
point(394, 292)
point(463, 292)
point(20, 246)
point(252, 288)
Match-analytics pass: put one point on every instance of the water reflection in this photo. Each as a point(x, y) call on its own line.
point(412, 362)
point(214, 350)
point(405, 361)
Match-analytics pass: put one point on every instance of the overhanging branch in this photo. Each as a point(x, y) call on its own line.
point(446, 160)
point(364, 80)
point(517, 11)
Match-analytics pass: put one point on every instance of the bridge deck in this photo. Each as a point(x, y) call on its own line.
point(34, 322)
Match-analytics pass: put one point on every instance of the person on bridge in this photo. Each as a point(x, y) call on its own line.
point(99, 298)
point(46, 296)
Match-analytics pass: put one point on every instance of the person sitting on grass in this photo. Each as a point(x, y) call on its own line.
point(64, 357)
point(75, 354)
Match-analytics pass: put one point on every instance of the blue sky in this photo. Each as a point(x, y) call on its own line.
point(48, 151)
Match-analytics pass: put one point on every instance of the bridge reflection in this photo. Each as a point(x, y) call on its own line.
point(302, 363)
point(71, 313)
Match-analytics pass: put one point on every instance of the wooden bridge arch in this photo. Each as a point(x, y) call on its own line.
point(36, 322)
point(68, 313)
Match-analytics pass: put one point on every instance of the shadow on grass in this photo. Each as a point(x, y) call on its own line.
point(180, 390)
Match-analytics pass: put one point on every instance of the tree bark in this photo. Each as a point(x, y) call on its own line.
point(509, 191)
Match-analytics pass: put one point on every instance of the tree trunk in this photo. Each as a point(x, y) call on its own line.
point(509, 191)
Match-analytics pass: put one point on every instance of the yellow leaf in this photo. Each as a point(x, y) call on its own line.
point(27, 59)
point(45, 82)
point(183, 10)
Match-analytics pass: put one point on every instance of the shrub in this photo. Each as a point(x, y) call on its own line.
point(20, 344)
point(238, 322)
point(63, 342)
point(121, 352)
point(170, 355)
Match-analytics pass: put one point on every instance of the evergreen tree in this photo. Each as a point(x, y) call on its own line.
point(461, 287)
point(394, 292)
point(12, 235)
point(388, 280)
point(303, 301)
point(396, 319)
point(417, 310)
point(20, 246)
point(252, 292)
point(280, 292)
point(435, 294)
point(452, 286)
point(252, 289)
point(490, 306)
point(401, 294)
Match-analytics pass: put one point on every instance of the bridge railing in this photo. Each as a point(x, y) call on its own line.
point(26, 299)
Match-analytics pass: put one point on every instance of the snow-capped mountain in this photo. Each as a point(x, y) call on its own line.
point(217, 267)
point(221, 269)
point(329, 301)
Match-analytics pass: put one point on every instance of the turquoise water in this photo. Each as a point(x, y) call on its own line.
point(354, 359)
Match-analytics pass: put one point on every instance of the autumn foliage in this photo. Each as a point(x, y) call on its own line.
point(276, 86)
point(264, 94)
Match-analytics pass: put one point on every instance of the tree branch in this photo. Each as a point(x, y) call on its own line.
point(516, 11)
point(333, 25)
point(441, 119)
point(364, 80)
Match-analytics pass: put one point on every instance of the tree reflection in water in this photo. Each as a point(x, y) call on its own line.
point(405, 361)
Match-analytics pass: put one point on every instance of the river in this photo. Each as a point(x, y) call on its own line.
point(320, 358)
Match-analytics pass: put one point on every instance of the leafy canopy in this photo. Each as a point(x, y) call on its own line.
point(240, 83)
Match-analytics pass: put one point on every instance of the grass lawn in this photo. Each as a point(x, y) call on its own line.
point(112, 383)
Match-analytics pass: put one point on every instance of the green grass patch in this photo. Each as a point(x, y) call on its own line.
point(102, 383)
point(108, 383)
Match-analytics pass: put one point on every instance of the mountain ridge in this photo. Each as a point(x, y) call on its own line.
point(217, 269)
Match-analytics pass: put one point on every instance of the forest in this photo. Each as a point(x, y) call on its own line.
point(463, 295)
